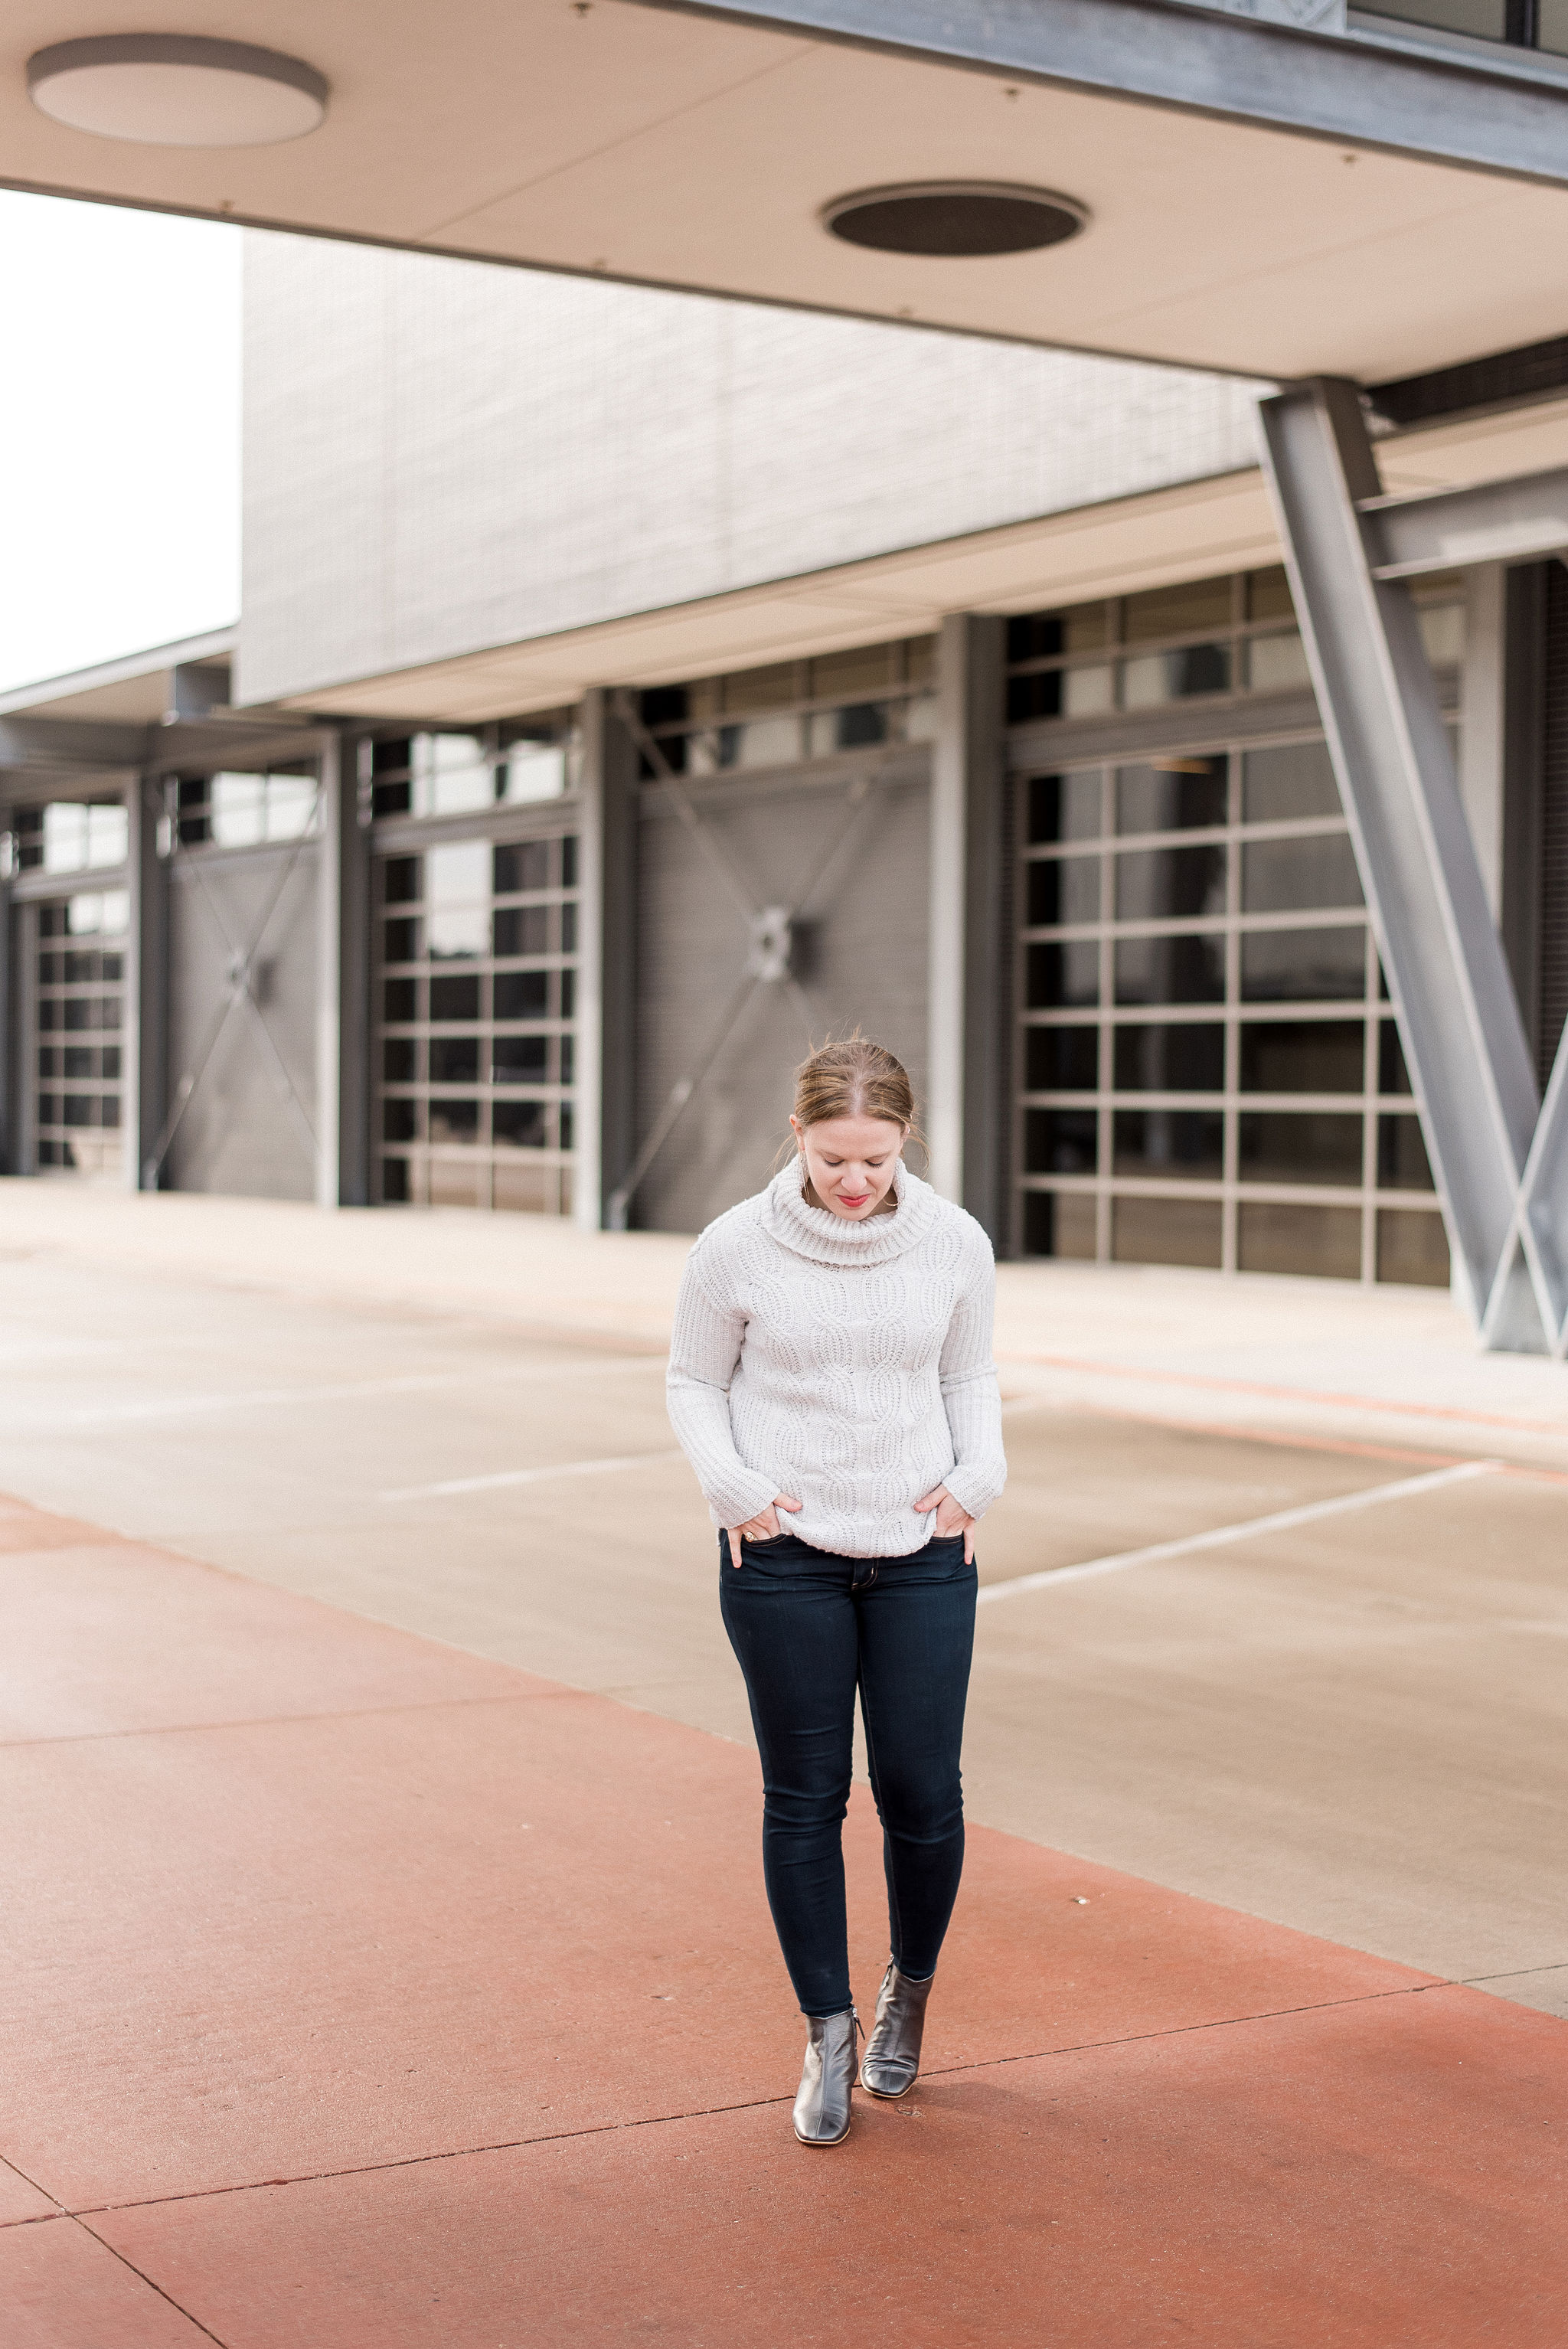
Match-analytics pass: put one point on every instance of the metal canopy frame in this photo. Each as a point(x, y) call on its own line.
point(1246, 70)
point(1500, 1157)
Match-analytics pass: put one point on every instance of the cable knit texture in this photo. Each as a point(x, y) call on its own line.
point(846, 1363)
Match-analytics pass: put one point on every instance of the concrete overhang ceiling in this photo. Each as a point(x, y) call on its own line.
point(1255, 198)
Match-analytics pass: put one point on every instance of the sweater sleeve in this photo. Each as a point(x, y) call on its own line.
point(704, 1350)
point(970, 1393)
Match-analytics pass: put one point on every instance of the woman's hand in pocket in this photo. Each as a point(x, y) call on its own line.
point(764, 1526)
point(951, 1518)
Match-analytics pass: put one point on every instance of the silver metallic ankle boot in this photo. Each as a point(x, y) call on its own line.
point(891, 2065)
point(822, 2107)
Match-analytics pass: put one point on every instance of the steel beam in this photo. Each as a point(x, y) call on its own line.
point(1232, 68)
point(1494, 522)
point(1459, 1018)
point(67, 745)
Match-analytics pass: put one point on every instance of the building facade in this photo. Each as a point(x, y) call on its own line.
point(632, 687)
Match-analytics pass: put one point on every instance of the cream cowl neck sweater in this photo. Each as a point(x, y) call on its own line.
point(846, 1363)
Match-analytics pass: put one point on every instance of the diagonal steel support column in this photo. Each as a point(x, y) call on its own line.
point(1459, 1018)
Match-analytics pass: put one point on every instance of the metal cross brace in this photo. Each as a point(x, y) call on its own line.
point(1499, 1159)
point(769, 949)
point(238, 994)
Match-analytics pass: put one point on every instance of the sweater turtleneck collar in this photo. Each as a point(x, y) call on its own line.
point(827, 1238)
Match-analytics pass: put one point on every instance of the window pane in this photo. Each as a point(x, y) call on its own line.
point(1059, 976)
point(457, 893)
point(524, 929)
point(1268, 594)
point(524, 995)
point(1177, 611)
point(400, 1120)
point(1065, 807)
point(1280, 876)
point(1060, 1141)
point(1293, 779)
point(1276, 1147)
point(524, 865)
point(1402, 1161)
point(1156, 677)
point(400, 1000)
point(1304, 966)
point(1061, 1060)
point(519, 1059)
point(1275, 664)
point(1152, 882)
point(400, 940)
point(1181, 1143)
point(1040, 636)
point(1325, 1242)
point(1062, 889)
point(1166, 1231)
point(1185, 969)
point(1413, 1249)
point(454, 1059)
point(534, 770)
point(1169, 1058)
point(395, 1182)
point(1036, 696)
point(520, 1124)
point(1302, 1056)
point(454, 999)
point(454, 1120)
point(399, 1060)
point(1172, 795)
point(401, 881)
point(1393, 1076)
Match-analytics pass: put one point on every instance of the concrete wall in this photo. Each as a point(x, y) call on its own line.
point(441, 455)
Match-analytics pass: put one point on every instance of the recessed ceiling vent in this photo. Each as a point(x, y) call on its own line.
point(177, 89)
point(954, 219)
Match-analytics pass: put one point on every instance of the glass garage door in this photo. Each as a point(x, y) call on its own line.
point(475, 1044)
point(1209, 1072)
point(79, 1003)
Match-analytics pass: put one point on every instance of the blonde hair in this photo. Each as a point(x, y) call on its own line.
point(853, 1078)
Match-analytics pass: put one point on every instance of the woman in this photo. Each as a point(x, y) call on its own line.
point(831, 1360)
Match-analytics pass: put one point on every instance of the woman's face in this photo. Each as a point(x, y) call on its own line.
point(850, 1162)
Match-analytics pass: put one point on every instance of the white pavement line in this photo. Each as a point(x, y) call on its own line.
point(527, 1477)
point(1219, 1537)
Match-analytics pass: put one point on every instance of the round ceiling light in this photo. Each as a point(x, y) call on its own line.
point(954, 219)
point(174, 90)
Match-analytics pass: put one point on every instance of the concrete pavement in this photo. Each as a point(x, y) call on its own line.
point(342, 1512)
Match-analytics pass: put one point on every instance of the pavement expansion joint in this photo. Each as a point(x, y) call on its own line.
point(142, 2277)
point(678, 2118)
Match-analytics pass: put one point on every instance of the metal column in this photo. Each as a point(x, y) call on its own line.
point(970, 950)
point(343, 1001)
point(145, 1080)
point(605, 1139)
point(1459, 1018)
point(10, 1071)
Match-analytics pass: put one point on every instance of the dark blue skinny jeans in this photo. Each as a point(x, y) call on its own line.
point(808, 1628)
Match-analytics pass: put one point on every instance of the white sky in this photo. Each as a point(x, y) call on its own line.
point(119, 433)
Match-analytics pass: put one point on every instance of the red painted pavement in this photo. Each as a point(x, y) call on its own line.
point(359, 1993)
